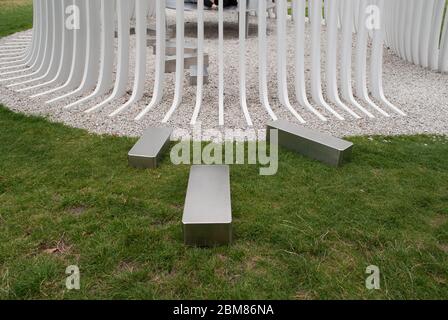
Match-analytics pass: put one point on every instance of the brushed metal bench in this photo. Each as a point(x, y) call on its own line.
point(148, 150)
point(313, 144)
point(207, 217)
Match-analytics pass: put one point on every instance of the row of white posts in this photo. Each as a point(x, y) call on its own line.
point(417, 30)
point(75, 57)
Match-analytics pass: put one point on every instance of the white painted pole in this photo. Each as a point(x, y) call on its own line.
point(242, 60)
point(121, 80)
point(299, 31)
point(37, 21)
point(221, 64)
point(103, 58)
point(443, 54)
point(78, 56)
point(346, 57)
point(180, 43)
point(361, 61)
point(376, 67)
point(40, 56)
point(332, 56)
point(315, 10)
point(435, 34)
point(160, 58)
point(141, 8)
point(282, 86)
point(262, 59)
point(200, 74)
point(425, 32)
point(57, 46)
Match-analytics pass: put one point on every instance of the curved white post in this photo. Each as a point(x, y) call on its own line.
point(409, 11)
point(66, 60)
point(78, 55)
point(56, 47)
point(59, 51)
point(315, 11)
point(141, 8)
point(221, 64)
point(443, 54)
point(200, 75)
point(346, 57)
point(180, 35)
point(376, 68)
point(90, 73)
point(435, 34)
point(332, 55)
point(121, 80)
point(425, 32)
point(160, 58)
point(361, 61)
point(19, 63)
point(282, 88)
point(402, 29)
point(262, 59)
point(416, 29)
point(299, 54)
point(39, 58)
point(242, 61)
point(101, 56)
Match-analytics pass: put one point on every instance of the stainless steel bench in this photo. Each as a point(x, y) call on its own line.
point(148, 150)
point(207, 218)
point(311, 143)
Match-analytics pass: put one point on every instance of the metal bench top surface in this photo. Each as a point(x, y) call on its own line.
point(208, 198)
point(151, 142)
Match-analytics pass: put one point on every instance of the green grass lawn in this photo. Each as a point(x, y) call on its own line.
point(68, 197)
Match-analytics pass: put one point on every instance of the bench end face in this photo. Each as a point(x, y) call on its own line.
point(207, 235)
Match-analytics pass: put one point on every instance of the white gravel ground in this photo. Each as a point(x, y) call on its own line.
point(420, 93)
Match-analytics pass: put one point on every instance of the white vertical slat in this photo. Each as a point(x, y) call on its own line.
point(361, 61)
point(99, 43)
point(79, 53)
point(37, 22)
point(221, 64)
point(315, 10)
point(52, 66)
point(435, 34)
point(39, 58)
point(282, 86)
point(180, 42)
point(66, 56)
point(242, 60)
point(416, 27)
point(376, 68)
point(160, 58)
point(122, 76)
point(425, 32)
point(332, 55)
point(200, 70)
point(346, 57)
point(141, 9)
point(407, 33)
point(262, 59)
point(443, 55)
point(299, 32)
point(90, 69)
point(401, 29)
point(61, 55)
